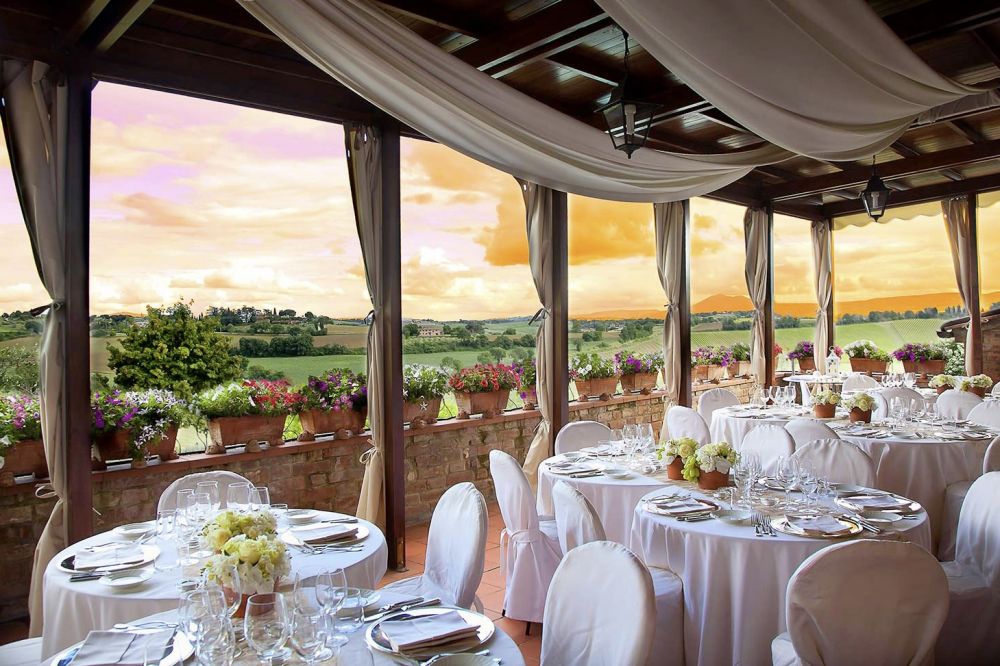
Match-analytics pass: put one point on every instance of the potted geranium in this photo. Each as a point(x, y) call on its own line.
point(859, 407)
point(483, 389)
point(978, 384)
point(593, 376)
point(740, 353)
point(942, 383)
point(247, 413)
point(921, 358)
point(21, 450)
point(423, 388)
point(134, 424)
point(336, 402)
point(825, 404)
point(675, 453)
point(866, 356)
point(638, 372)
point(803, 353)
point(713, 462)
point(527, 378)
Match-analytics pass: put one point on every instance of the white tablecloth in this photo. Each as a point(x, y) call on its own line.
point(613, 499)
point(734, 581)
point(357, 653)
point(71, 610)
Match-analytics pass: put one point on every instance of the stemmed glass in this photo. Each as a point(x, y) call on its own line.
point(741, 475)
point(909, 380)
point(231, 591)
point(266, 626)
point(310, 634)
point(238, 496)
point(351, 615)
point(260, 498)
point(330, 586)
point(167, 560)
point(196, 610)
point(210, 488)
point(216, 644)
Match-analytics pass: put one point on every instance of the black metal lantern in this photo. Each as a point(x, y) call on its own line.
point(875, 196)
point(627, 116)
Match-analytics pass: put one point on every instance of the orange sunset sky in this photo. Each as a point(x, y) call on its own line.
point(224, 205)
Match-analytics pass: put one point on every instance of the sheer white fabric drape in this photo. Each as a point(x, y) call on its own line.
point(958, 224)
point(36, 131)
point(668, 222)
point(364, 167)
point(755, 231)
point(434, 92)
point(866, 85)
point(822, 238)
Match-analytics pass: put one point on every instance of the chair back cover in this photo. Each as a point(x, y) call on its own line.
point(840, 593)
point(859, 382)
point(839, 461)
point(685, 422)
point(517, 503)
point(977, 544)
point(456, 544)
point(168, 498)
point(991, 462)
point(576, 519)
point(769, 442)
point(885, 396)
point(986, 413)
point(714, 399)
point(600, 609)
point(806, 430)
point(578, 434)
point(955, 404)
point(996, 389)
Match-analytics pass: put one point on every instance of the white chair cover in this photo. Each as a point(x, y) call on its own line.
point(528, 556)
point(895, 591)
point(769, 442)
point(806, 430)
point(986, 413)
point(996, 389)
point(955, 404)
point(954, 497)
point(168, 498)
point(859, 382)
point(685, 422)
point(884, 400)
point(576, 518)
point(714, 399)
point(22, 653)
point(600, 610)
point(578, 434)
point(970, 633)
point(456, 549)
point(838, 461)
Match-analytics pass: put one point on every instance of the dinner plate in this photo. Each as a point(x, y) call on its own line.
point(782, 525)
point(881, 518)
point(707, 506)
point(125, 579)
point(485, 629)
point(134, 530)
point(301, 515)
point(149, 554)
point(180, 650)
point(293, 539)
point(908, 508)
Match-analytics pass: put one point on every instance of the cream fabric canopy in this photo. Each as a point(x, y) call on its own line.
point(473, 113)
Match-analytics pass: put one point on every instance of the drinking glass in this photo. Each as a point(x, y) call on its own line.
point(909, 380)
point(266, 626)
point(216, 644)
point(229, 586)
point(309, 634)
point(196, 611)
point(280, 512)
point(260, 498)
point(238, 496)
point(350, 616)
point(329, 584)
point(210, 488)
point(169, 558)
point(199, 508)
point(181, 498)
point(617, 441)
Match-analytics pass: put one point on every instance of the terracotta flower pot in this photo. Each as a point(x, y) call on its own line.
point(699, 373)
point(602, 388)
point(640, 382)
point(942, 389)
point(807, 364)
point(488, 404)
point(241, 610)
point(25, 457)
point(342, 423)
point(716, 372)
point(712, 480)
point(110, 446)
point(924, 367)
point(675, 470)
point(824, 411)
point(248, 430)
point(976, 390)
point(867, 365)
point(530, 400)
point(421, 412)
point(743, 368)
point(858, 416)
point(165, 447)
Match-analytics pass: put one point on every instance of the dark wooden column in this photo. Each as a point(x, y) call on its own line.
point(558, 283)
point(831, 326)
point(390, 323)
point(685, 398)
point(75, 415)
point(975, 350)
point(769, 303)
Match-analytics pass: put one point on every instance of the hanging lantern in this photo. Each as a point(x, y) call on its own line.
point(875, 196)
point(628, 118)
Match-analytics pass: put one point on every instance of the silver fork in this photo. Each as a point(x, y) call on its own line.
point(756, 524)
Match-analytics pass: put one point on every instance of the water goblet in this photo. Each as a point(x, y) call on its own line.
point(210, 488)
point(309, 634)
point(266, 626)
point(260, 498)
point(350, 616)
point(195, 611)
point(225, 580)
point(238, 496)
point(216, 644)
point(329, 590)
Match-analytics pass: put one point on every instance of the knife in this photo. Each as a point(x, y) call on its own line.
point(385, 608)
point(404, 607)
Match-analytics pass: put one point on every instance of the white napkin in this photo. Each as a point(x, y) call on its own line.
point(315, 534)
point(426, 630)
point(107, 556)
point(823, 524)
point(121, 648)
point(574, 468)
point(678, 506)
point(878, 501)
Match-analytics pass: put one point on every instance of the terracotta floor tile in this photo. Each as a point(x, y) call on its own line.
point(492, 558)
point(514, 629)
point(493, 600)
point(532, 648)
point(531, 661)
point(494, 578)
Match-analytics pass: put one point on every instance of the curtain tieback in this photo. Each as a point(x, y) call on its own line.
point(370, 318)
point(369, 455)
point(41, 309)
point(542, 313)
point(45, 491)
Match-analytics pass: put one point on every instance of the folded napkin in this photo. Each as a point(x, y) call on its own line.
point(878, 501)
point(427, 631)
point(314, 534)
point(681, 505)
point(107, 556)
point(573, 468)
point(121, 648)
point(817, 524)
point(600, 449)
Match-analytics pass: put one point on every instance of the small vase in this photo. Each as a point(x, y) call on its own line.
point(858, 416)
point(807, 364)
point(977, 390)
point(712, 480)
point(824, 411)
point(942, 389)
point(675, 470)
point(241, 610)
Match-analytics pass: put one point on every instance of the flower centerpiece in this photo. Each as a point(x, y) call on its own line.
point(21, 450)
point(866, 356)
point(713, 462)
point(483, 389)
point(133, 424)
point(246, 413)
point(825, 404)
point(942, 383)
point(423, 388)
point(527, 378)
point(859, 407)
point(675, 453)
point(920, 357)
point(740, 353)
point(593, 375)
point(249, 544)
point(978, 384)
point(803, 353)
point(708, 364)
point(335, 402)
point(638, 372)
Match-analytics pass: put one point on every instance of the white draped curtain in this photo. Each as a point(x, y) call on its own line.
point(958, 224)
point(538, 208)
point(822, 242)
point(364, 166)
point(758, 264)
point(668, 223)
point(35, 127)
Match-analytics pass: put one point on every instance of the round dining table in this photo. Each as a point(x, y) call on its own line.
point(72, 609)
point(734, 580)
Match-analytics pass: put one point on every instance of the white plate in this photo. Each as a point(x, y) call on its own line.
point(782, 525)
point(301, 515)
point(180, 650)
point(909, 507)
point(881, 518)
point(377, 641)
point(293, 539)
point(134, 530)
point(733, 516)
point(465, 660)
point(571, 455)
point(149, 554)
point(848, 488)
point(126, 579)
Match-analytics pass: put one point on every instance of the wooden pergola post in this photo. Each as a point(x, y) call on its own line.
point(558, 296)
point(975, 351)
point(768, 309)
point(685, 398)
point(831, 325)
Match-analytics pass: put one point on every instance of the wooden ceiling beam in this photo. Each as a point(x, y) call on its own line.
point(922, 194)
point(585, 64)
point(449, 17)
point(932, 20)
point(907, 150)
point(966, 130)
point(551, 47)
point(95, 26)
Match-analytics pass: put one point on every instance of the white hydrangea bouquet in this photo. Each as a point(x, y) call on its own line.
point(229, 524)
point(716, 457)
point(941, 381)
point(259, 562)
point(682, 447)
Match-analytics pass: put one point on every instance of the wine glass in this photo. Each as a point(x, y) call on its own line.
point(280, 512)
point(238, 496)
point(910, 380)
point(329, 589)
point(309, 634)
point(351, 615)
point(210, 488)
point(216, 644)
point(260, 498)
point(195, 611)
point(181, 498)
point(229, 586)
point(266, 626)
point(168, 559)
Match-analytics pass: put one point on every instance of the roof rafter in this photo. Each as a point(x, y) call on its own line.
point(921, 194)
